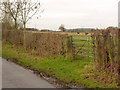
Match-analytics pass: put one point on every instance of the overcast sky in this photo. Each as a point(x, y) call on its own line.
point(76, 13)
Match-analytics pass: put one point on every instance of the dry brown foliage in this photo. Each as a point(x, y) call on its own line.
point(105, 48)
point(45, 44)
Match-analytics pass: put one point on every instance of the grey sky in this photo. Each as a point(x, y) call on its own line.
point(76, 13)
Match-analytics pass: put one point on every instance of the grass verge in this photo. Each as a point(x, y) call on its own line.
point(79, 72)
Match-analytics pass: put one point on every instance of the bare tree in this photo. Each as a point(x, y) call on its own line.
point(21, 10)
point(27, 10)
point(11, 8)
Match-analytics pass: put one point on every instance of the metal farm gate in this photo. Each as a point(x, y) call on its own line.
point(82, 45)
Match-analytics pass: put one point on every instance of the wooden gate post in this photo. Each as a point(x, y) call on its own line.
point(69, 46)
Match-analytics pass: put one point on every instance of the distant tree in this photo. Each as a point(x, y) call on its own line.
point(7, 23)
point(62, 28)
point(110, 27)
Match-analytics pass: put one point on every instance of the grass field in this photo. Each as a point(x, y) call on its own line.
point(79, 72)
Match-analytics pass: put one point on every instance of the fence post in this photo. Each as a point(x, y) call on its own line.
point(69, 46)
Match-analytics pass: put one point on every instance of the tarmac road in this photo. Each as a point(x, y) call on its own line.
point(15, 76)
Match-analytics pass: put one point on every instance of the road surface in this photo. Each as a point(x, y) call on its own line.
point(15, 76)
